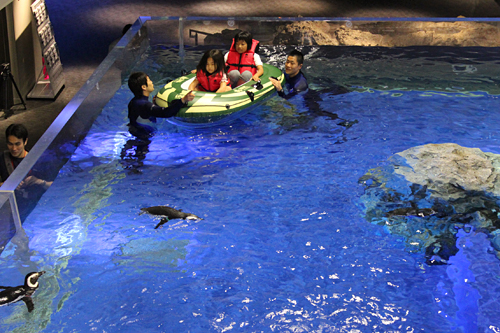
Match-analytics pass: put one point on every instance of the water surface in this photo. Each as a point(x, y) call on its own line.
point(283, 245)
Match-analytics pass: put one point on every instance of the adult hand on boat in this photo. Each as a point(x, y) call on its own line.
point(188, 97)
point(276, 84)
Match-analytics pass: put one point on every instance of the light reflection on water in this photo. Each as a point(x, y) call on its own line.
point(283, 245)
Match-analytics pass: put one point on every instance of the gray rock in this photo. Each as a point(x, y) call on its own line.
point(389, 34)
point(427, 193)
point(449, 170)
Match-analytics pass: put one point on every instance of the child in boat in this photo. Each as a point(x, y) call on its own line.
point(211, 73)
point(243, 61)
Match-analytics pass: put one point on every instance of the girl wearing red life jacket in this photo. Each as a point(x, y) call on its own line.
point(211, 73)
point(243, 61)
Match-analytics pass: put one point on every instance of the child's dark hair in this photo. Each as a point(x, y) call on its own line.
point(218, 59)
point(297, 54)
point(136, 81)
point(246, 36)
point(17, 130)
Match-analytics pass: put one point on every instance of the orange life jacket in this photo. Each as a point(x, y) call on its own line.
point(242, 61)
point(209, 82)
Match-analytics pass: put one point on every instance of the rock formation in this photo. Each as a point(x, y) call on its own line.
point(389, 34)
point(427, 193)
point(359, 33)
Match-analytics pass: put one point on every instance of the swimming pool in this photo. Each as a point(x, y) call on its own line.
point(283, 245)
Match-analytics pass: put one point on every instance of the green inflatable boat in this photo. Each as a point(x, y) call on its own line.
point(208, 107)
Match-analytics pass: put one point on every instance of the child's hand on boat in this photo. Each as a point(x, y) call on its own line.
point(188, 97)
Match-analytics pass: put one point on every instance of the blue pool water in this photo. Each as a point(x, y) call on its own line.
point(283, 245)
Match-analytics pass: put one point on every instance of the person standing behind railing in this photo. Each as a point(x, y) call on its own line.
point(17, 137)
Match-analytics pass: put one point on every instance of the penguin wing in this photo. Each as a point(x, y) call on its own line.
point(29, 303)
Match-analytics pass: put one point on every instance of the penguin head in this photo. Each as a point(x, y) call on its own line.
point(193, 217)
point(31, 279)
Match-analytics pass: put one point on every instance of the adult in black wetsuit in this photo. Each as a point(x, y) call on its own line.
point(296, 84)
point(135, 149)
point(295, 81)
point(140, 106)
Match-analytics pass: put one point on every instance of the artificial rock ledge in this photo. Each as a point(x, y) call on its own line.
point(389, 34)
point(427, 193)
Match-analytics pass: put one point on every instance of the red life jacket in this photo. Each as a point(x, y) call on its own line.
point(209, 82)
point(244, 61)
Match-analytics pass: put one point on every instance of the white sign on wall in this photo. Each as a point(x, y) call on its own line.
point(51, 80)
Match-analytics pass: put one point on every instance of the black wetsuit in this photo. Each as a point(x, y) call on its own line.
point(6, 157)
point(142, 107)
point(294, 85)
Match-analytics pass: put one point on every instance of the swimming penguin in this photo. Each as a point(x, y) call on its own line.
point(21, 293)
point(169, 213)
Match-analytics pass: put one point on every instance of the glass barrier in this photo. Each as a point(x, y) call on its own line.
point(10, 221)
point(59, 142)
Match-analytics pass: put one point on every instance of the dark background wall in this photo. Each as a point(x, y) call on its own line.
point(85, 28)
point(5, 89)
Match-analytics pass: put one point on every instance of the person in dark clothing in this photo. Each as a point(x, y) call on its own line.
point(140, 106)
point(17, 138)
point(295, 81)
point(296, 84)
point(136, 148)
point(34, 185)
